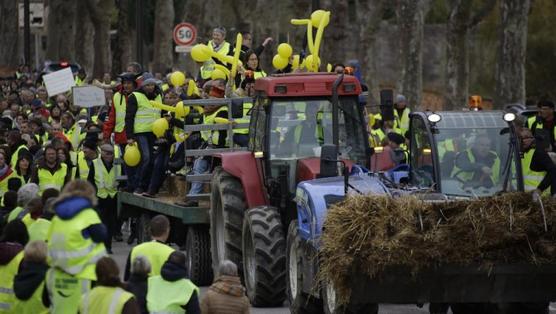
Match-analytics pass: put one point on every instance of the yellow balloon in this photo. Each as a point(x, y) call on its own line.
point(177, 78)
point(198, 53)
point(279, 62)
point(218, 74)
point(317, 16)
point(285, 50)
point(312, 63)
point(329, 67)
point(295, 62)
point(132, 155)
point(160, 126)
point(192, 89)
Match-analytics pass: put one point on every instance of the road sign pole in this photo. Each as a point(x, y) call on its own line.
point(27, 32)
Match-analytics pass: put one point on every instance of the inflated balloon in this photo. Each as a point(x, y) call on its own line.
point(192, 89)
point(320, 16)
point(329, 67)
point(218, 74)
point(198, 53)
point(160, 126)
point(295, 62)
point(320, 32)
point(285, 50)
point(279, 62)
point(312, 63)
point(223, 69)
point(132, 155)
point(237, 51)
point(177, 78)
point(180, 110)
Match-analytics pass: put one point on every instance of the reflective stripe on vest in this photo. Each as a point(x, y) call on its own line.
point(245, 118)
point(120, 105)
point(146, 113)
point(101, 299)
point(52, 180)
point(401, 124)
point(105, 180)
point(212, 137)
point(8, 272)
point(69, 250)
point(169, 296)
point(208, 66)
point(531, 179)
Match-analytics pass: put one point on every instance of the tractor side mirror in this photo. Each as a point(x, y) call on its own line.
point(237, 108)
point(328, 161)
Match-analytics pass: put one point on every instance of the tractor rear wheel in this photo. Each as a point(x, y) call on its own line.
point(300, 302)
point(197, 246)
point(264, 256)
point(143, 230)
point(226, 218)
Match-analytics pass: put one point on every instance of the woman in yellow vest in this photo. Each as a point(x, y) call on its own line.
point(23, 168)
point(251, 62)
point(75, 244)
point(12, 242)
point(29, 282)
point(108, 296)
point(6, 173)
point(219, 45)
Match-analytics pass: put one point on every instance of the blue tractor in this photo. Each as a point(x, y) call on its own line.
point(437, 142)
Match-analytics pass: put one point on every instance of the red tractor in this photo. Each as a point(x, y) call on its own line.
point(253, 192)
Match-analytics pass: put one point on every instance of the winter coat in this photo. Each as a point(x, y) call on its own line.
point(225, 296)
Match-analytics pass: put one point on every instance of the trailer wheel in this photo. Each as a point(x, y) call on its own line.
point(197, 245)
point(331, 306)
point(300, 302)
point(226, 218)
point(143, 229)
point(264, 260)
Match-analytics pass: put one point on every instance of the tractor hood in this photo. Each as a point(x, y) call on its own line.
point(314, 197)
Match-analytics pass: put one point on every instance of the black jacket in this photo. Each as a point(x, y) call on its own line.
point(131, 110)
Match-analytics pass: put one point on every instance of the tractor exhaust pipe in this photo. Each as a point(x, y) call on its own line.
point(335, 113)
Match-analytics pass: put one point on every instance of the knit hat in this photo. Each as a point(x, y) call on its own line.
point(400, 98)
point(396, 138)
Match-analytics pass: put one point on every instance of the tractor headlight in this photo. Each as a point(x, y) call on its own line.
point(509, 117)
point(434, 118)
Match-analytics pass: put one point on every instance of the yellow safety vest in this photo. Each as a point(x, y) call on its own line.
point(65, 291)
point(69, 251)
point(33, 304)
point(376, 137)
point(108, 300)
point(8, 272)
point(169, 296)
point(15, 213)
point(401, 124)
point(15, 156)
point(74, 135)
point(106, 180)
point(208, 66)
point(156, 253)
point(52, 180)
point(82, 166)
point(245, 118)
point(4, 182)
point(28, 221)
point(259, 74)
point(445, 146)
point(467, 176)
point(146, 113)
point(39, 230)
point(120, 105)
point(531, 179)
point(212, 137)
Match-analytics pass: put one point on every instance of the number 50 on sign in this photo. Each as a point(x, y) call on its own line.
point(185, 34)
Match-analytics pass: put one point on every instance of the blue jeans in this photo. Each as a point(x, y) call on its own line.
point(160, 166)
point(144, 170)
point(200, 166)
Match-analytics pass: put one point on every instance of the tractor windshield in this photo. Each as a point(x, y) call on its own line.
point(299, 127)
point(474, 154)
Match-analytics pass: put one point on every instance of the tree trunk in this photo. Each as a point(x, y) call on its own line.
point(335, 34)
point(122, 50)
point(9, 28)
point(163, 37)
point(84, 49)
point(369, 16)
point(510, 65)
point(411, 19)
point(61, 32)
point(101, 23)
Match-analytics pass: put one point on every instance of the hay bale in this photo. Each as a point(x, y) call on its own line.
point(366, 234)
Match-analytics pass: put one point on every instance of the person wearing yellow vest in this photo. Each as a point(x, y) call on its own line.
point(102, 176)
point(401, 115)
point(156, 251)
point(479, 165)
point(246, 89)
point(50, 172)
point(24, 195)
point(219, 45)
point(108, 295)
point(14, 238)
point(545, 120)
point(17, 145)
point(75, 244)
point(139, 119)
point(32, 211)
point(29, 290)
point(23, 168)
point(539, 171)
point(71, 130)
point(172, 291)
point(38, 230)
point(116, 117)
point(6, 173)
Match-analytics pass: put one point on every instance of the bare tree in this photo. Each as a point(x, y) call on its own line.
point(61, 31)
point(122, 49)
point(101, 23)
point(510, 64)
point(8, 33)
point(163, 42)
point(411, 19)
point(84, 50)
point(460, 22)
point(336, 34)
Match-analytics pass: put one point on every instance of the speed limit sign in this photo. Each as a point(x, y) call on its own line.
point(185, 34)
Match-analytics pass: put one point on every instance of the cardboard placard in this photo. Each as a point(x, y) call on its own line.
point(88, 96)
point(59, 82)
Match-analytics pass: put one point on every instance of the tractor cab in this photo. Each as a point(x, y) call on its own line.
point(293, 118)
point(465, 154)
